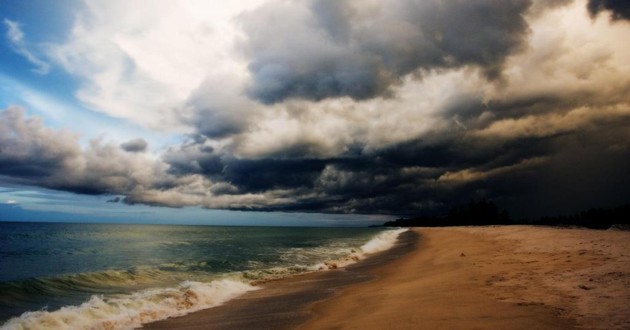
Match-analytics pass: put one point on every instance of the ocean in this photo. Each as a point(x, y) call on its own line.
point(118, 276)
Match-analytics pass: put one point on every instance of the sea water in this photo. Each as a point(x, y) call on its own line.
point(115, 276)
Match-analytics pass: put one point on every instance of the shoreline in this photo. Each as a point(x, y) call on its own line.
point(516, 277)
point(285, 303)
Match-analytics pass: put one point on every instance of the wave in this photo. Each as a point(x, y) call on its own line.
point(379, 243)
point(337, 257)
point(107, 281)
point(132, 310)
point(383, 241)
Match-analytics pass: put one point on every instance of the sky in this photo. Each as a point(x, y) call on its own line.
point(313, 112)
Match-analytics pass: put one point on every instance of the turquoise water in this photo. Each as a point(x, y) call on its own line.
point(94, 273)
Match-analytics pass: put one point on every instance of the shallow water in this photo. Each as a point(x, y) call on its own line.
point(101, 275)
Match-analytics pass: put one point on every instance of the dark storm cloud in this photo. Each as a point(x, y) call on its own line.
point(552, 137)
point(619, 9)
point(266, 174)
point(218, 112)
point(581, 170)
point(398, 179)
point(511, 150)
point(337, 48)
point(31, 153)
point(193, 158)
point(217, 124)
point(135, 145)
point(250, 175)
point(426, 175)
point(28, 151)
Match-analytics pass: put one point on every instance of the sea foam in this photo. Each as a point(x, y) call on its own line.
point(381, 242)
point(133, 310)
point(130, 311)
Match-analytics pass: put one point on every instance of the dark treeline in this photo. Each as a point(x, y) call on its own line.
point(485, 212)
point(593, 218)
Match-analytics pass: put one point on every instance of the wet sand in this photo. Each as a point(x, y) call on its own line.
point(285, 303)
point(517, 277)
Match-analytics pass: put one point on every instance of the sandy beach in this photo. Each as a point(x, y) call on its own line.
point(516, 277)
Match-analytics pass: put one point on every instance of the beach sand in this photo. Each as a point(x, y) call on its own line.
point(517, 277)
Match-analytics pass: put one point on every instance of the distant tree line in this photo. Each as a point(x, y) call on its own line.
point(594, 218)
point(485, 212)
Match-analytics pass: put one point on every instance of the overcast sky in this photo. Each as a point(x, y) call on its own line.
point(367, 107)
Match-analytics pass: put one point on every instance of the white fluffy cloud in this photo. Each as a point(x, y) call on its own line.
point(142, 60)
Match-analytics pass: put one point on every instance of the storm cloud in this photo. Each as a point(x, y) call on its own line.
point(618, 9)
point(31, 153)
point(378, 107)
point(135, 145)
point(322, 48)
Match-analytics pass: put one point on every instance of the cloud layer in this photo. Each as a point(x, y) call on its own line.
point(347, 106)
point(319, 49)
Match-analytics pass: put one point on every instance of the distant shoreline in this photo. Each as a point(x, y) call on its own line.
point(516, 277)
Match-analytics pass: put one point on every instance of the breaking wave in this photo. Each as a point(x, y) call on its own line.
point(383, 241)
point(131, 310)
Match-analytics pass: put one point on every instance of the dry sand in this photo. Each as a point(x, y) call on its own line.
point(517, 277)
